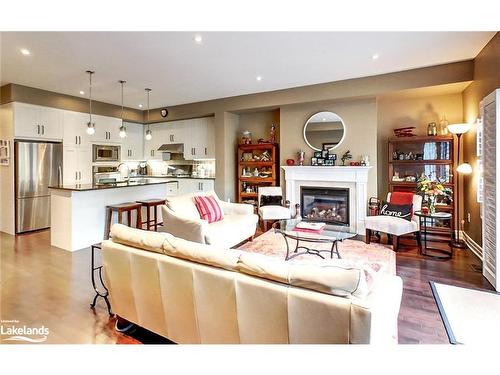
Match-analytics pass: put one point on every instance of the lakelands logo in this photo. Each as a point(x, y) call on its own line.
point(10, 330)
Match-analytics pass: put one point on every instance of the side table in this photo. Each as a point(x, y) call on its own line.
point(98, 269)
point(426, 220)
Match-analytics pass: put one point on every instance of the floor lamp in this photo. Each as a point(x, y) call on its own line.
point(464, 168)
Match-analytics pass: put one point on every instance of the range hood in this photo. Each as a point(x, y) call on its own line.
point(173, 148)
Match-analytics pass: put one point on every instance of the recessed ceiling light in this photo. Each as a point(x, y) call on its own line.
point(375, 56)
point(140, 105)
point(258, 78)
point(198, 39)
point(25, 52)
point(82, 92)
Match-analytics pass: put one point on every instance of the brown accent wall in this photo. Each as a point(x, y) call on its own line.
point(486, 80)
point(30, 95)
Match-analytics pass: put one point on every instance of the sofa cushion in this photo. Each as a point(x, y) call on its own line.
point(389, 224)
point(232, 230)
point(141, 239)
point(184, 205)
point(209, 208)
point(334, 276)
point(201, 253)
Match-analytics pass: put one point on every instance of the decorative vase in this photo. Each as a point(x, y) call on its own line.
point(432, 204)
point(300, 157)
point(290, 162)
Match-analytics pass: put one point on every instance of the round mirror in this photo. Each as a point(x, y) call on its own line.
point(324, 131)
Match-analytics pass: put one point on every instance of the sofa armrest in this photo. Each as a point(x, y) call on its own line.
point(187, 228)
point(236, 208)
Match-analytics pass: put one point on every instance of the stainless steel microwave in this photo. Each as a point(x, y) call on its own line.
point(105, 153)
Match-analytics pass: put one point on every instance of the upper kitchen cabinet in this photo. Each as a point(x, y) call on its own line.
point(158, 138)
point(133, 143)
point(36, 122)
point(174, 132)
point(201, 141)
point(107, 129)
point(75, 129)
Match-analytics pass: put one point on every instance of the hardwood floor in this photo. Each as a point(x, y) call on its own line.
point(44, 285)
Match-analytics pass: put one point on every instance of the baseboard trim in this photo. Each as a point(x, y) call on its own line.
point(475, 248)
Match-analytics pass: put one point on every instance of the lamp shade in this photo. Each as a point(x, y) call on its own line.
point(458, 128)
point(464, 168)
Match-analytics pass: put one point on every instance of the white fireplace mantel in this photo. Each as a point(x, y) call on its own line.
point(353, 177)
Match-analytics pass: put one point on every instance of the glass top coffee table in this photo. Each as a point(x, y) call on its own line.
point(332, 236)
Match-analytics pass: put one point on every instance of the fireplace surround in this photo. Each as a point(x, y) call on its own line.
point(353, 178)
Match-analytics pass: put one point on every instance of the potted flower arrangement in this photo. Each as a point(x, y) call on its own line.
point(430, 190)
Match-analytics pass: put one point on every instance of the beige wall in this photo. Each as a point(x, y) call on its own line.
point(360, 119)
point(396, 111)
point(355, 98)
point(259, 123)
point(486, 80)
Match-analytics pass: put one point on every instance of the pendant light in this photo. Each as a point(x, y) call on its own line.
point(90, 124)
point(123, 129)
point(149, 134)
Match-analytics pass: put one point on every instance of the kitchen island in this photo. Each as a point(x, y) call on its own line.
point(78, 212)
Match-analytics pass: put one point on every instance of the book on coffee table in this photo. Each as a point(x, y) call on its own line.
point(310, 227)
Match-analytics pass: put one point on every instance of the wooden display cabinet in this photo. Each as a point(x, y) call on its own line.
point(433, 156)
point(263, 157)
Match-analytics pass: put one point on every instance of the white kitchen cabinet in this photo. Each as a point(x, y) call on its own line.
point(191, 185)
point(75, 129)
point(174, 131)
point(36, 122)
point(158, 138)
point(107, 129)
point(77, 165)
point(201, 141)
point(133, 144)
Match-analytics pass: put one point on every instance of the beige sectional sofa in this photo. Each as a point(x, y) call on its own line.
point(197, 293)
point(181, 218)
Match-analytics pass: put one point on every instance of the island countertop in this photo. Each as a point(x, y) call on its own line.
point(124, 184)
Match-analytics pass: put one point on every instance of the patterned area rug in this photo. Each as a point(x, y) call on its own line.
point(273, 245)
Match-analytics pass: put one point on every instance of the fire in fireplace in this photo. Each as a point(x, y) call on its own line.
point(329, 205)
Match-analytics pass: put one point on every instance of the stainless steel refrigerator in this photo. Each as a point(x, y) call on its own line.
point(38, 166)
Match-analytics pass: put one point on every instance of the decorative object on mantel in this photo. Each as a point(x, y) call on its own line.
point(300, 157)
point(404, 132)
point(431, 129)
point(365, 161)
point(4, 152)
point(347, 155)
point(290, 162)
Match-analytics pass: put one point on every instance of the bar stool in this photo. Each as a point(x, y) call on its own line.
point(128, 208)
point(148, 203)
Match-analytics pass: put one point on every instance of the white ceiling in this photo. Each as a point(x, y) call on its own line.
point(178, 70)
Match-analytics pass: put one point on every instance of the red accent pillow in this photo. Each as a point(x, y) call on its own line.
point(209, 208)
point(402, 198)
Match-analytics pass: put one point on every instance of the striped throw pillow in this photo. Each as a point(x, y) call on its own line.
point(208, 208)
